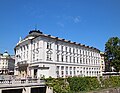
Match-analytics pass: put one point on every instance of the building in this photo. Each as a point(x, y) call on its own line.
point(102, 61)
point(6, 64)
point(39, 55)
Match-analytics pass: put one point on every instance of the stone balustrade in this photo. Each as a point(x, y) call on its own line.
point(20, 82)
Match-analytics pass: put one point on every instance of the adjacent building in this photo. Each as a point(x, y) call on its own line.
point(40, 55)
point(6, 64)
point(102, 61)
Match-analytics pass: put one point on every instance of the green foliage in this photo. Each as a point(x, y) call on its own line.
point(112, 52)
point(60, 85)
point(81, 84)
point(113, 81)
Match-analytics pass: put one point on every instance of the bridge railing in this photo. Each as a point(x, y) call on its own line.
point(21, 81)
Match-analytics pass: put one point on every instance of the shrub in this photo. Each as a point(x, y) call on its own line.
point(77, 84)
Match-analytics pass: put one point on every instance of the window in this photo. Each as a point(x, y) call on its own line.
point(80, 51)
point(49, 57)
point(77, 51)
point(57, 47)
point(21, 48)
point(70, 50)
point(61, 48)
point(57, 71)
point(83, 52)
point(24, 48)
point(37, 44)
point(74, 59)
point(34, 46)
point(70, 59)
point(66, 49)
point(62, 67)
point(24, 55)
point(86, 61)
point(49, 45)
point(83, 60)
point(66, 70)
point(66, 58)
point(73, 50)
point(74, 70)
point(33, 56)
point(77, 59)
point(80, 60)
point(86, 52)
point(27, 46)
point(70, 70)
point(57, 57)
point(27, 54)
point(62, 58)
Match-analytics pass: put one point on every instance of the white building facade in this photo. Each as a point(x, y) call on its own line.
point(7, 64)
point(39, 55)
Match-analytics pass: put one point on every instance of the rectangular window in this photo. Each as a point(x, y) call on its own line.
point(27, 46)
point(73, 50)
point(21, 48)
point(49, 45)
point(77, 51)
point(66, 58)
point(57, 71)
point(74, 59)
point(81, 60)
point(57, 57)
point(66, 49)
point(33, 56)
point(62, 58)
point(27, 54)
point(70, 59)
point(34, 46)
point(24, 47)
point(70, 50)
point(57, 47)
point(80, 51)
point(77, 59)
point(61, 48)
point(49, 57)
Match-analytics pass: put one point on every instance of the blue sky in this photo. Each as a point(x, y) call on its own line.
point(90, 22)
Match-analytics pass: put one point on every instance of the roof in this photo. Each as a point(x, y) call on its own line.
point(37, 33)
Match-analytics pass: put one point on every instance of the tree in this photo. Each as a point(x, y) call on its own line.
point(112, 54)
